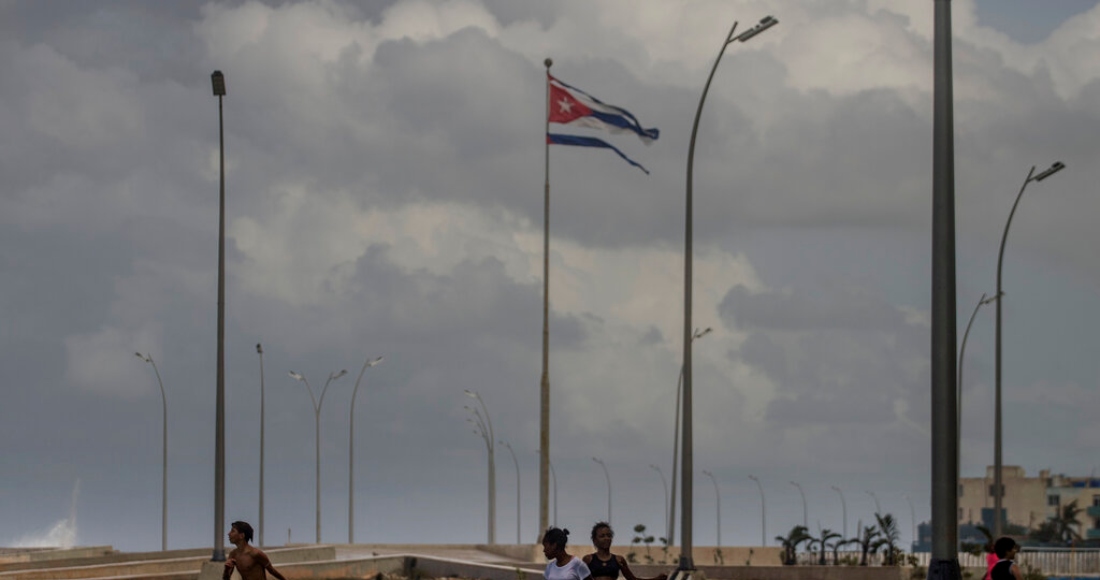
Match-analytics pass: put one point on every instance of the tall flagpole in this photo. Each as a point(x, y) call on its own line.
point(544, 385)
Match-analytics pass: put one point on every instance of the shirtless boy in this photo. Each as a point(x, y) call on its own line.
point(250, 561)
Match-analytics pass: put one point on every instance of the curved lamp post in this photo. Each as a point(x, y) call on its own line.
point(805, 520)
point(959, 391)
point(763, 520)
point(676, 444)
point(351, 449)
point(878, 508)
point(686, 468)
point(516, 462)
point(164, 455)
point(484, 429)
point(998, 523)
point(317, 439)
point(260, 528)
point(665, 484)
point(608, 476)
point(554, 481)
point(718, 506)
point(843, 510)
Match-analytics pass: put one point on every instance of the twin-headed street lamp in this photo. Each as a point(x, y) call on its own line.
point(998, 489)
point(164, 454)
point(483, 427)
point(351, 449)
point(516, 462)
point(317, 423)
point(687, 564)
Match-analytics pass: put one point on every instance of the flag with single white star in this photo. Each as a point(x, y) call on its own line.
point(572, 106)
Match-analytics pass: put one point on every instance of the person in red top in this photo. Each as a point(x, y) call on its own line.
point(990, 560)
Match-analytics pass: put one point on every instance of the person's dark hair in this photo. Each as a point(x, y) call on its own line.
point(556, 537)
point(243, 528)
point(596, 528)
point(1003, 545)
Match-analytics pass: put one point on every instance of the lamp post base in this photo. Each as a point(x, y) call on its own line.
point(687, 574)
point(944, 570)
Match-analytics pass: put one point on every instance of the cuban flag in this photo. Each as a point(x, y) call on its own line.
point(572, 106)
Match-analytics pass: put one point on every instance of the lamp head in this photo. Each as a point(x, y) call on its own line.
point(1058, 166)
point(218, 81)
point(335, 375)
point(296, 376)
point(765, 23)
point(259, 348)
point(375, 362)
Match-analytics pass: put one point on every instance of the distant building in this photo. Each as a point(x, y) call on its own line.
point(1030, 501)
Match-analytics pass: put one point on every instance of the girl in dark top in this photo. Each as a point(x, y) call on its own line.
point(1005, 569)
point(605, 565)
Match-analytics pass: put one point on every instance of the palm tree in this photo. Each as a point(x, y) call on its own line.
point(888, 526)
point(1066, 522)
point(823, 545)
point(790, 543)
point(869, 543)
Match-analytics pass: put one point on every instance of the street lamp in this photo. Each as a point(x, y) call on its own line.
point(516, 462)
point(998, 492)
point(843, 510)
point(317, 423)
point(351, 449)
point(805, 520)
point(958, 391)
point(554, 480)
point(912, 518)
point(763, 520)
point(665, 484)
point(676, 442)
point(484, 428)
point(878, 508)
point(217, 80)
point(718, 506)
point(164, 455)
point(606, 475)
point(687, 564)
point(260, 351)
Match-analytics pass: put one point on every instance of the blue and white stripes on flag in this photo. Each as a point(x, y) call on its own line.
point(572, 106)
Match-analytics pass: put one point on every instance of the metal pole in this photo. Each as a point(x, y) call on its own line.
point(843, 510)
point(608, 476)
point(163, 455)
point(516, 462)
point(805, 519)
point(544, 384)
point(878, 508)
point(959, 389)
point(687, 564)
point(489, 444)
point(317, 436)
point(665, 496)
point(351, 449)
point(912, 518)
point(718, 506)
point(676, 444)
point(260, 351)
point(218, 81)
point(763, 520)
point(944, 563)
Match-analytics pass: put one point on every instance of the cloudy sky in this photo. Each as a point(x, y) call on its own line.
point(384, 198)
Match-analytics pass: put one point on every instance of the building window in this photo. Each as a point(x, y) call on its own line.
point(961, 515)
point(1096, 502)
point(961, 488)
point(1053, 500)
point(993, 488)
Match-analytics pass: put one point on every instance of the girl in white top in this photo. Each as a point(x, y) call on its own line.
point(562, 565)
